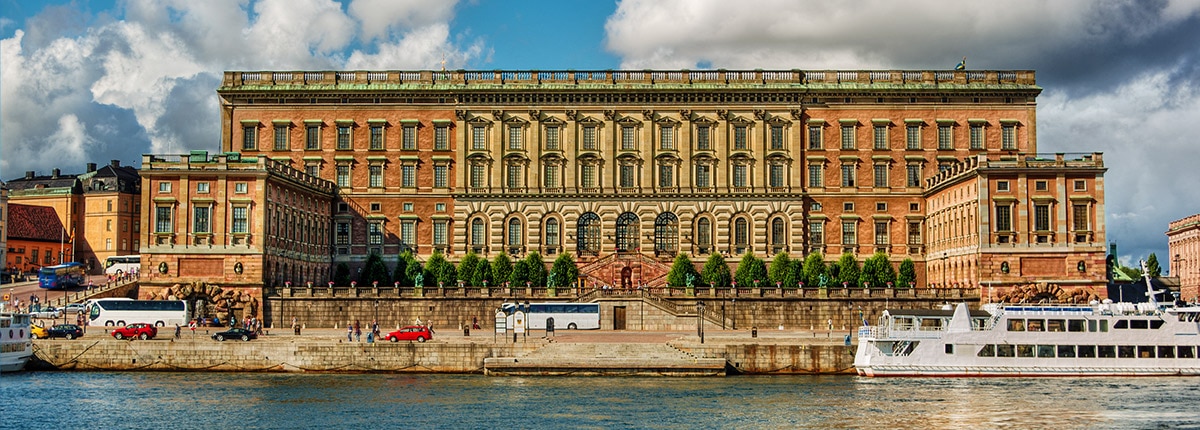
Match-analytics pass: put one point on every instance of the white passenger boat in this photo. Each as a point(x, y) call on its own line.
point(1034, 340)
point(15, 345)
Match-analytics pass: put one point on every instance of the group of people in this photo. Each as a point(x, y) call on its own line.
point(354, 331)
point(251, 323)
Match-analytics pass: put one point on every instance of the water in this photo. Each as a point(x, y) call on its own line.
point(250, 400)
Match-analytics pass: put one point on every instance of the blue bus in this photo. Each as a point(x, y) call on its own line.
point(62, 276)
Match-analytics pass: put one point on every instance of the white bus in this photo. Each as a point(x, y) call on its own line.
point(571, 316)
point(122, 264)
point(121, 311)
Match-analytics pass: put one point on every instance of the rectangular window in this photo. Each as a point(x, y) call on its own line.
point(201, 187)
point(703, 142)
point(312, 137)
point(880, 137)
point(376, 137)
point(408, 176)
point(666, 138)
point(407, 206)
point(881, 176)
point(1041, 217)
point(162, 219)
point(912, 136)
point(164, 187)
point(816, 176)
point(408, 232)
point(552, 236)
point(739, 175)
point(739, 137)
point(312, 170)
point(439, 233)
point(376, 176)
point(514, 176)
point(1008, 137)
point(945, 137)
point(239, 219)
point(1080, 185)
point(476, 175)
point(1004, 218)
point(240, 188)
point(408, 136)
point(343, 136)
point(515, 137)
point(478, 138)
point(1079, 215)
point(914, 233)
point(976, 136)
point(281, 138)
point(374, 233)
point(589, 176)
point(1041, 185)
point(441, 138)
point(626, 176)
point(849, 236)
point(814, 137)
point(912, 174)
point(848, 175)
point(439, 177)
point(200, 220)
point(250, 138)
point(776, 175)
point(627, 138)
point(816, 233)
point(666, 175)
point(342, 237)
point(703, 176)
point(881, 233)
point(343, 176)
point(589, 138)
point(847, 137)
point(552, 140)
point(550, 176)
point(1002, 186)
point(777, 137)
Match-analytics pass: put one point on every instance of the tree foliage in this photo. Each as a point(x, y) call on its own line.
point(1153, 267)
point(519, 274)
point(848, 270)
point(374, 271)
point(341, 275)
point(814, 269)
point(501, 267)
point(716, 271)
point(781, 270)
point(564, 270)
point(680, 269)
point(466, 268)
point(537, 269)
point(483, 272)
point(442, 271)
point(750, 269)
point(908, 274)
point(877, 271)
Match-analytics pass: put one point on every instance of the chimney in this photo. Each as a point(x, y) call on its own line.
point(29, 174)
point(91, 167)
point(116, 163)
point(54, 174)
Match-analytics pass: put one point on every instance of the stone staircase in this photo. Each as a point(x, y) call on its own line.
point(647, 270)
point(605, 359)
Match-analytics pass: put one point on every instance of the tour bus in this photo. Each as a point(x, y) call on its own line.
point(66, 275)
point(121, 311)
point(571, 316)
point(122, 264)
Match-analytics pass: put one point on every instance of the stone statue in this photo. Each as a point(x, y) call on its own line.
point(550, 280)
point(690, 279)
point(419, 280)
point(822, 280)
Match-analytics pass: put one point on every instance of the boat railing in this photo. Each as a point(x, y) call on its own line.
point(894, 333)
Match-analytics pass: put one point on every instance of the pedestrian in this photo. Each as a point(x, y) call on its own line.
point(417, 322)
point(370, 337)
point(375, 327)
point(177, 330)
point(295, 326)
point(475, 322)
point(349, 332)
point(357, 332)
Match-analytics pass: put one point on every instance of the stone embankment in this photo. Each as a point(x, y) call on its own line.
point(575, 353)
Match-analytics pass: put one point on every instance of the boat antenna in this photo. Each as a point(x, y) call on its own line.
point(1150, 292)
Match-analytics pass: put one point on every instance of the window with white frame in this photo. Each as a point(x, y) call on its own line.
point(477, 171)
point(666, 138)
point(375, 233)
point(375, 176)
point(849, 234)
point(849, 174)
point(703, 138)
point(312, 137)
point(912, 136)
point(814, 137)
point(666, 175)
point(408, 137)
point(945, 136)
point(281, 137)
point(628, 138)
point(240, 224)
point(250, 137)
point(439, 232)
point(881, 233)
point(1008, 137)
point(516, 137)
point(376, 136)
point(164, 187)
point(343, 175)
point(201, 187)
point(441, 137)
point(775, 176)
point(626, 178)
point(912, 175)
point(440, 175)
point(343, 136)
point(479, 137)
point(550, 176)
point(703, 175)
point(202, 219)
point(162, 219)
point(740, 140)
point(777, 141)
point(740, 174)
point(552, 138)
point(881, 176)
point(589, 138)
point(816, 175)
point(848, 136)
point(976, 130)
point(880, 136)
point(240, 188)
point(408, 176)
point(408, 232)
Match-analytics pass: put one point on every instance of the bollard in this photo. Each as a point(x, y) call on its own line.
point(753, 331)
point(466, 330)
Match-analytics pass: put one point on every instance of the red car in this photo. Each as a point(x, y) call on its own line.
point(418, 333)
point(141, 331)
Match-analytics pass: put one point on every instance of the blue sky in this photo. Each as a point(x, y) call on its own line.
point(88, 81)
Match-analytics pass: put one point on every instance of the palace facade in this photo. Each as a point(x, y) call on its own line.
point(1183, 245)
point(625, 169)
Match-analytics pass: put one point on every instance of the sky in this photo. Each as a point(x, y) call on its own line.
point(90, 81)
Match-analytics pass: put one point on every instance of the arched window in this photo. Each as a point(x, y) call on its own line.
point(552, 240)
point(703, 236)
point(587, 233)
point(627, 232)
point(741, 235)
point(778, 236)
point(477, 235)
point(666, 234)
point(514, 236)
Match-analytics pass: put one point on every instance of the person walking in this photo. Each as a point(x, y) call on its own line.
point(349, 332)
point(177, 330)
point(375, 327)
point(357, 332)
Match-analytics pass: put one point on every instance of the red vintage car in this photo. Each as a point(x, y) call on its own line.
point(141, 331)
point(418, 333)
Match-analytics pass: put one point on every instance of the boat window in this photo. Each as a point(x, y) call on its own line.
point(1104, 326)
point(1145, 351)
point(1166, 351)
point(1106, 351)
point(1045, 350)
point(1092, 326)
point(949, 348)
point(1087, 351)
point(1121, 324)
point(904, 323)
point(1016, 325)
point(1186, 352)
point(1066, 351)
point(1005, 351)
point(931, 323)
point(1126, 351)
point(1036, 325)
point(1024, 350)
point(987, 351)
point(1156, 324)
point(1075, 325)
point(1139, 324)
point(1056, 325)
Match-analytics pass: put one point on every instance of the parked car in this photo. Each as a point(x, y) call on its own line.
point(47, 313)
point(37, 331)
point(73, 308)
point(141, 331)
point(418, 333)
point(235, 333)
point(69, 331)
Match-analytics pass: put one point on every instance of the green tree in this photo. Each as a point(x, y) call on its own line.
point(781, 270)
point(519, 274)
point(795, 275)
point(466, 268)
point(848, 270)
point(877, 271)
point(716, 271)
point(501, 268)
point(537, 269)
point(401, 273)
point(751, 268)
point(374, 271)
point(908, 274)
point(1152, 266)
point(565, 271)
point(483, 272)
point(341, 275)
point(814, 269)
point(680, 270)
point(412, 268)
point(441, 270)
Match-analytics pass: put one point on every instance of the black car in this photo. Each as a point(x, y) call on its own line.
point(235, 333)
point(69, 331)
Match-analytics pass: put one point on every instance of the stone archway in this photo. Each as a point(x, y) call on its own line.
point(212, 301)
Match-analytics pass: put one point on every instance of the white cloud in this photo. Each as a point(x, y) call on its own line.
point(381, 18)
point(422, 48)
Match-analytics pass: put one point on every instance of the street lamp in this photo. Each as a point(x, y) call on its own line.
point(700, 320)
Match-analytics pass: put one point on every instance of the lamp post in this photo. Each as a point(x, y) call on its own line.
point(700, 320)
point(376, 310)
